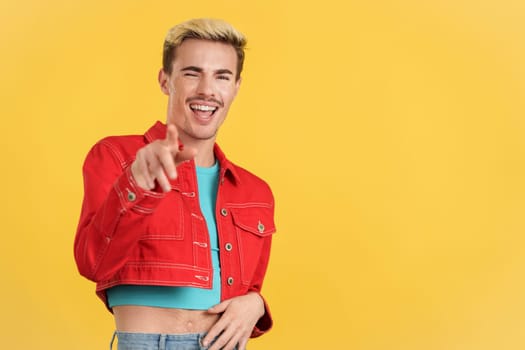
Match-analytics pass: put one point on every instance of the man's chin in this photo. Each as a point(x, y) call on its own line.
point(202, 136)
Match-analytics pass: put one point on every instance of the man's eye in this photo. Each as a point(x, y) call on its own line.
point(190, 74)
point(223, 77)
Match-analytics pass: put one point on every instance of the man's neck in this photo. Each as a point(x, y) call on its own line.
point(204, 156)
point(205, 160)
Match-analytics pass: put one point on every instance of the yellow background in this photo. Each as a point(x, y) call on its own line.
point(392, 133)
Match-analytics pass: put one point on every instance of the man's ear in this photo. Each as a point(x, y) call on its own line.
point(164, 82)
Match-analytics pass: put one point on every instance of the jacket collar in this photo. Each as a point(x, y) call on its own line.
point(228, 169)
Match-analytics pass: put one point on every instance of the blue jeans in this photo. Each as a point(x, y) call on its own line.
point(153, 341)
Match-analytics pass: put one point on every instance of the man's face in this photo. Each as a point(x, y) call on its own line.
point(201, 88)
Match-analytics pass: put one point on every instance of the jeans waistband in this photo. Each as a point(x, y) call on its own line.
point(157, 341)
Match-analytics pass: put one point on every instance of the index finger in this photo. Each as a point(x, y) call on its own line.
point(172, 135)
point(216, 332)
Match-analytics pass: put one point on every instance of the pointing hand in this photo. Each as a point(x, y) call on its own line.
point(158, 160)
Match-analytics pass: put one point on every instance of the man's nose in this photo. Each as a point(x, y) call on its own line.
point(205, 87)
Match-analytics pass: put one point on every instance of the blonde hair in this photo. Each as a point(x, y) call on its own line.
point(204, 29)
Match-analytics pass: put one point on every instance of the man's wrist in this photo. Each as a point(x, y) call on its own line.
point(260, 301)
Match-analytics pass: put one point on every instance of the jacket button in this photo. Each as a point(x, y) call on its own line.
point(228, 247)
point(260, 227)
point(224, 212)
point(230, 281)
point(131, 196)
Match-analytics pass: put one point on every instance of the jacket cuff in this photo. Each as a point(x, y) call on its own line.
point(265, 323)
point(133, 197)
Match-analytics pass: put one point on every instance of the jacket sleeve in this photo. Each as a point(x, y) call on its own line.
point(112, 203)
point(265, 323)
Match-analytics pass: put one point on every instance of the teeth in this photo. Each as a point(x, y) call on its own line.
point(203, 108)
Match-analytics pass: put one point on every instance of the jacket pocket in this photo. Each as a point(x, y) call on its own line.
point(253, 225)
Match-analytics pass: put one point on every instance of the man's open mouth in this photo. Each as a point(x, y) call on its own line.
point(203, 110)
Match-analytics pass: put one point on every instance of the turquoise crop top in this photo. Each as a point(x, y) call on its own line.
point(182, 297)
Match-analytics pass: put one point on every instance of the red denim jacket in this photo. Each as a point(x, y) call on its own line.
point(127, 235)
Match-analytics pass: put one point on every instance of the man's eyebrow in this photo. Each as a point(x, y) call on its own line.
point(223, 71)
point(200, 70)
point(192, 68)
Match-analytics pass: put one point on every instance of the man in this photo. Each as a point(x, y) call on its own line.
point(175, 235)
